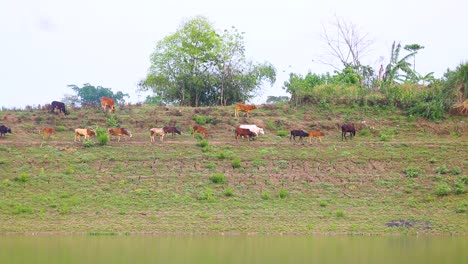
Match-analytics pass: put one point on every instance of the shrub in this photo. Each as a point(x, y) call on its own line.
point(364, 132)
point(265, 195)
point(282, 133)
point(202, 143)
point(236, 163)
point(412, 172)
point(88, 143)
point(112, 122)
point(201, 120)
point(459, 187)
point(442, 189)
point(462, 208)
point(229, 192)
point(210, 165)
point(60, 128)
point(442, 169)
point(206, 195)
point(23, 177)
point(102, 136)
point(455, 171)
point(339, 213)
point(218, 178)
point(323, 203)
point(282, 193)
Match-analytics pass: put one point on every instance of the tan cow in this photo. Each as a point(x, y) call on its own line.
point(118, 132)
point(157, 132)
point(107, 102)
point(47, 132)
point(243, 108)
point(86, 132)
point(316, 134)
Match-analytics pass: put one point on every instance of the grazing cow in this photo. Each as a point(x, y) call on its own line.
point(47, 132)
point(107, 102)
point(254, 128)
point(172, 130)
point(4, 130)
point(348, 128)
point(118, 132)
point(316, 134)
point(157, 132)
point(244, 132)
point(86, 132)
point(199, 129)
point(58, 106)
point(243, 108)
point(298, 133)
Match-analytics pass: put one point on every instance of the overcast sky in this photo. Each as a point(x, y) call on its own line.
point(48, 44)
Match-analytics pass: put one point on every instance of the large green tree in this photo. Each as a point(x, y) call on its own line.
point(197, 66)
point(91, 95)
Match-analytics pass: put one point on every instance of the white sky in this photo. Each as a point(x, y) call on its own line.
point(46, 45)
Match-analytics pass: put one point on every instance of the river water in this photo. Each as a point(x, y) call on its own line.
point(233, 249)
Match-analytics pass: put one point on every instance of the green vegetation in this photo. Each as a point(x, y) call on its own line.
point(269, 185)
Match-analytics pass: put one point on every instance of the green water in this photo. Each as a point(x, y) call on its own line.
point(233, 249)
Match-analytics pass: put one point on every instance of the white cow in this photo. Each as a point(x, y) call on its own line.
point(254, 128)
point(157, 132)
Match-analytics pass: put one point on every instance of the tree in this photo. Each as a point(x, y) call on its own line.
point(90, 95)
point(413, 48)
point(396, 66)
point(196, 66)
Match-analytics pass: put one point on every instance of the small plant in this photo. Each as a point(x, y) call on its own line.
point(258, 163)
point(210, 165)
point(202, 143)
point(459, 187)
point(323, 203)
point(282, 193)
point(339, 213)
point(88, 143)
point(60, 128)
point(462, 208)
point(412, 172)
point(236, 163)
point(229, 192)
point(201, 120)
point(282, 133)
point(218, 178)
point(102, 136)
point(442, 189)
point(455, 171)
point(206, 195)
point(266, 195)
point(23, 178)
point(442, 169)
point(432, 160)
point(112, 122)
point(364, 132)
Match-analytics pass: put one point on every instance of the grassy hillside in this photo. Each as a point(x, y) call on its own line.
point(398, 175)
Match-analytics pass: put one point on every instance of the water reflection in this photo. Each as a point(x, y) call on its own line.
point(232, 249)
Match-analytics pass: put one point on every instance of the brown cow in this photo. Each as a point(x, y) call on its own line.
point(47, 132)
point(107, 102)
point(244, 132)
point(118, 132)
point(86, 132)
point(199, 129)
point(243, 108)
point(316, 134)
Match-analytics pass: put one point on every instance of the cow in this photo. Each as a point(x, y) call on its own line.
point(298, 133)
point(107, 102)
point(254, 128)
point(118, 132)
point(4, 130)
point(243, 108)
point(172, 130)
point(86, 132)
point(157, 132)
point(316, 134)
point(47, 132)
point(244, 132)
point(199, 129)
point(58, 106)
point(348, 128)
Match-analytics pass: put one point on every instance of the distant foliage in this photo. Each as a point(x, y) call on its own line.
point(91, 95)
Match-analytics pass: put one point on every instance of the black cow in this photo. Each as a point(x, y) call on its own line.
point(58, 106)
point(348, 128)
point(172, 130)
point(298, 133)
point(4, 130)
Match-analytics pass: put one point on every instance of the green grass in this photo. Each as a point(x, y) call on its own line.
point(269, 185)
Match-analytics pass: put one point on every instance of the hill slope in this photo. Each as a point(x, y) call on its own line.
point(399, 174)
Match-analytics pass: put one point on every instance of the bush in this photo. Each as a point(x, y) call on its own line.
point(442, 169)
point(282, 193)
point(282, 133)
point(202, 143)
point(112, 122)
point(201, 120)
point(236, 163)
point(60, 128)
point(23, 177)
point(229, 192)
point(88, 143)
point(102, 136)
point(218, 178)
point(442, 189)
point(265, 195)
point(206, 195)
point(412, 172)
point(455, 171)
point(459, 187)
point(323, 203)
point(339, 213)
point(364, 132)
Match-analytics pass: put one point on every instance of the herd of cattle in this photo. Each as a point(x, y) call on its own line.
point(243, 131)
